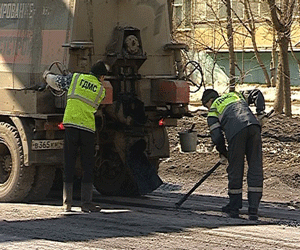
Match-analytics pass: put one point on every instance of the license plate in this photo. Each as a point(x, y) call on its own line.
point(47, 144)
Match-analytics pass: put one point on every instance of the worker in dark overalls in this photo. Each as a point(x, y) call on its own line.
point(85, 93)
point(230, 113)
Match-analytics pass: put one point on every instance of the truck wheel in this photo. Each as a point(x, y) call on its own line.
point(15, 178)
point(111, 177)
point(43, 181)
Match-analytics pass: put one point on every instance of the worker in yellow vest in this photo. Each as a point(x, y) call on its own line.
point(85, 93)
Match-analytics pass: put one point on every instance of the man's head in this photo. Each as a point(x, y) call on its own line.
point(209, 95)
point(99, 69)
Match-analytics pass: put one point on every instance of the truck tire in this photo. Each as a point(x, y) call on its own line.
point(111, 176)
point(15, 178)
point(43, 181)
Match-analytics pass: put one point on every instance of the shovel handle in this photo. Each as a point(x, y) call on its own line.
point(191, 129)
point(184, 198)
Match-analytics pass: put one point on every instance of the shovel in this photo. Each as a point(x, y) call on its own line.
point(183, 199)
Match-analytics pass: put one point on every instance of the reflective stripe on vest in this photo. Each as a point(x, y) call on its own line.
point(71, 94)
point(84, 96)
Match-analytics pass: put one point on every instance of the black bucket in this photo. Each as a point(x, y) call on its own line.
point(188, 141)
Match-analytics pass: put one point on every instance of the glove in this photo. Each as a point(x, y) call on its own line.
point(262, 118)
point(223, 159)
point(210, 147)
point(50, 79)
point(46, 72)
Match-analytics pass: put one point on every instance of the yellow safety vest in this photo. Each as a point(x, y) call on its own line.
point(84, 97)
point(221, 103)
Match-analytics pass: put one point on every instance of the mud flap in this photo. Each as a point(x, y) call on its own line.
point(143, 172)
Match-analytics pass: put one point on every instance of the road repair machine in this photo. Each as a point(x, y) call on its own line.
point(145, 91)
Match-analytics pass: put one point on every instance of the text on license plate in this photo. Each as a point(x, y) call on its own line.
point(47, 144)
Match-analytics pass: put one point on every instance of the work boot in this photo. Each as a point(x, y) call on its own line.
point(235, 203)
point(227, 208)
point(86, 199)
point(253, 200)
point(252, 213)
point(67, 196)
point(231, 212)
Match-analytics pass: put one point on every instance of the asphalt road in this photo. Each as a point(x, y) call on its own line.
point(149, 222)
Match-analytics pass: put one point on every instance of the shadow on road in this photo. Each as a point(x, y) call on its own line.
point(132, 217)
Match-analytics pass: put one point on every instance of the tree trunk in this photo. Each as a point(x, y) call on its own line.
point(282, 19)
point(284, 45)
point(278, 102)
point(230, 47)
point(273, 60)
point(283, 87)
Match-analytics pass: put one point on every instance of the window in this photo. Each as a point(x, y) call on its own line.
point(211, 9)
point(222, 10)
point(238, 8)
point(182, 12)
point(188, 13)
point(254, 7)
point(217, 9)
point(296, 10)
point(264, 9)
point(178, 11)
point(200, 13)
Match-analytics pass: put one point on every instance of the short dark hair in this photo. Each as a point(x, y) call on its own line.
point(99, 69)
point(209, 94)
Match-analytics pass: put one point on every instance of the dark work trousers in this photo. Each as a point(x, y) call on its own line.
point(247, 143)
point(78, 139)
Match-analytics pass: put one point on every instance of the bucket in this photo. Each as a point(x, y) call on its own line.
point(188, 141)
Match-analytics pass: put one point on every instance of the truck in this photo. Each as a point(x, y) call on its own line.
point(145, 91)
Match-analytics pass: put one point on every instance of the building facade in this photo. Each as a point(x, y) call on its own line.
point(202, 25)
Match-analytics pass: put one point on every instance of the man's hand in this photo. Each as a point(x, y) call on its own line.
point(262, 118)
point(50, 79)
point(223, 159)
point(46, 72)
point(210, 147)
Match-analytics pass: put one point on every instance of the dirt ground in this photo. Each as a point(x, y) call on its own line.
point(281, 151)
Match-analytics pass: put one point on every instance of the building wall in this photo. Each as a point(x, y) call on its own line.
point(254, 74)
point(202, 31)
